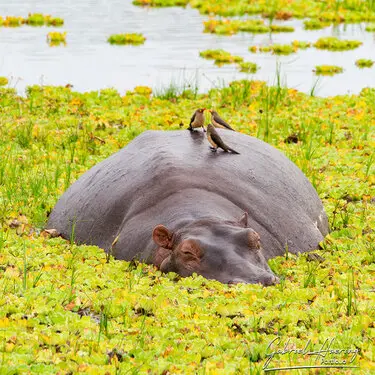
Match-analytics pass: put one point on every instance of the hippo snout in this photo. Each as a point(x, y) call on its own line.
point(273, 280)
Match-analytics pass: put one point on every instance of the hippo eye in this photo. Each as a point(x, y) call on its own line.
point(253, 240)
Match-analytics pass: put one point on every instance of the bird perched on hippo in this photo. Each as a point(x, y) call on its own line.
point(216, 141)
point(164, 200)
point(197, 120)
point(218, 122)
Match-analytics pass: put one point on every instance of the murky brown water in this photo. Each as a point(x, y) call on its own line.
point(171, 52)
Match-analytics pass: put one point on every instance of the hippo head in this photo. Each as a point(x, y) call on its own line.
point(229, 252)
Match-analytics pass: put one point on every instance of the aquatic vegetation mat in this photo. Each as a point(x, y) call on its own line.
point(334, 44)
point(38, 19)
point(300, 44)
point(3, 81)
point(35, 19)
point(66, 308)
point(248, 67)
point(220, 56)
point(314, 24)
point(328, 70)
point(11, 21)
point(364, 63)
point(161, 3)
point(330, 10)
point(55, 38)
point(132, 38)
point(229, 27)
point(277, 49)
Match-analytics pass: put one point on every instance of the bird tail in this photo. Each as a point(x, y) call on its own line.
point(233, 151)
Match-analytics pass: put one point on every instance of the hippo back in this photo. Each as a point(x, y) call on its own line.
point(282, 205)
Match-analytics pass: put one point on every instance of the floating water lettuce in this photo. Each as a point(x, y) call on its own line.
point(314, 24)
point(328, 70)
point(229, 27)
point(300, 44)
point(281, 29)
point(334, 44)
point(67, 308)
point(329, 11)
point(55, 38)
point(248, 67)
point(161, 3)
point(277, 49)
point(3, 81)
point(11, 21)
point(364, 63)
point(281, 49)
point(220, 56)
point(35, 19)
point(132, 38)
point(53, 21)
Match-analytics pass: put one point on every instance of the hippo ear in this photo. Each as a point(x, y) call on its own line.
point(162, 236)
point(243, 220)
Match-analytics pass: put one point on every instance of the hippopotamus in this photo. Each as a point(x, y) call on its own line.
point(166, 199)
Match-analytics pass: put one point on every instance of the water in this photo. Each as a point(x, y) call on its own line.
point(171, 52)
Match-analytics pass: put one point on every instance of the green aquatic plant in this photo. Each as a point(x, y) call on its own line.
point(36, 19)
point(364, 63)
point(328, 69)
point(334, 44)
point(53, 21)
point(33, 19)
point(281, 29)
point(161, 3)
point(229, 26)
point(264, 49)
point(253, 26)
point(248, 67)
point(12, 21)
point(277, 49)
point(314, 24)
point(68, 308)
point(301, 45)
point(133, 38)
point(55, 38)
point(3, 81)
point(283, 49)
point(370, 28)
point(331, 11)
point(220, 56)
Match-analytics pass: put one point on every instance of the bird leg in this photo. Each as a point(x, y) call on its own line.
point(213, 149)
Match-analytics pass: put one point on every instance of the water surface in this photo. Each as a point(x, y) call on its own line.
point(171, 52)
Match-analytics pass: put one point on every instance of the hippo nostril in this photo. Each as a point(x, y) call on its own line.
point(275, 280)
